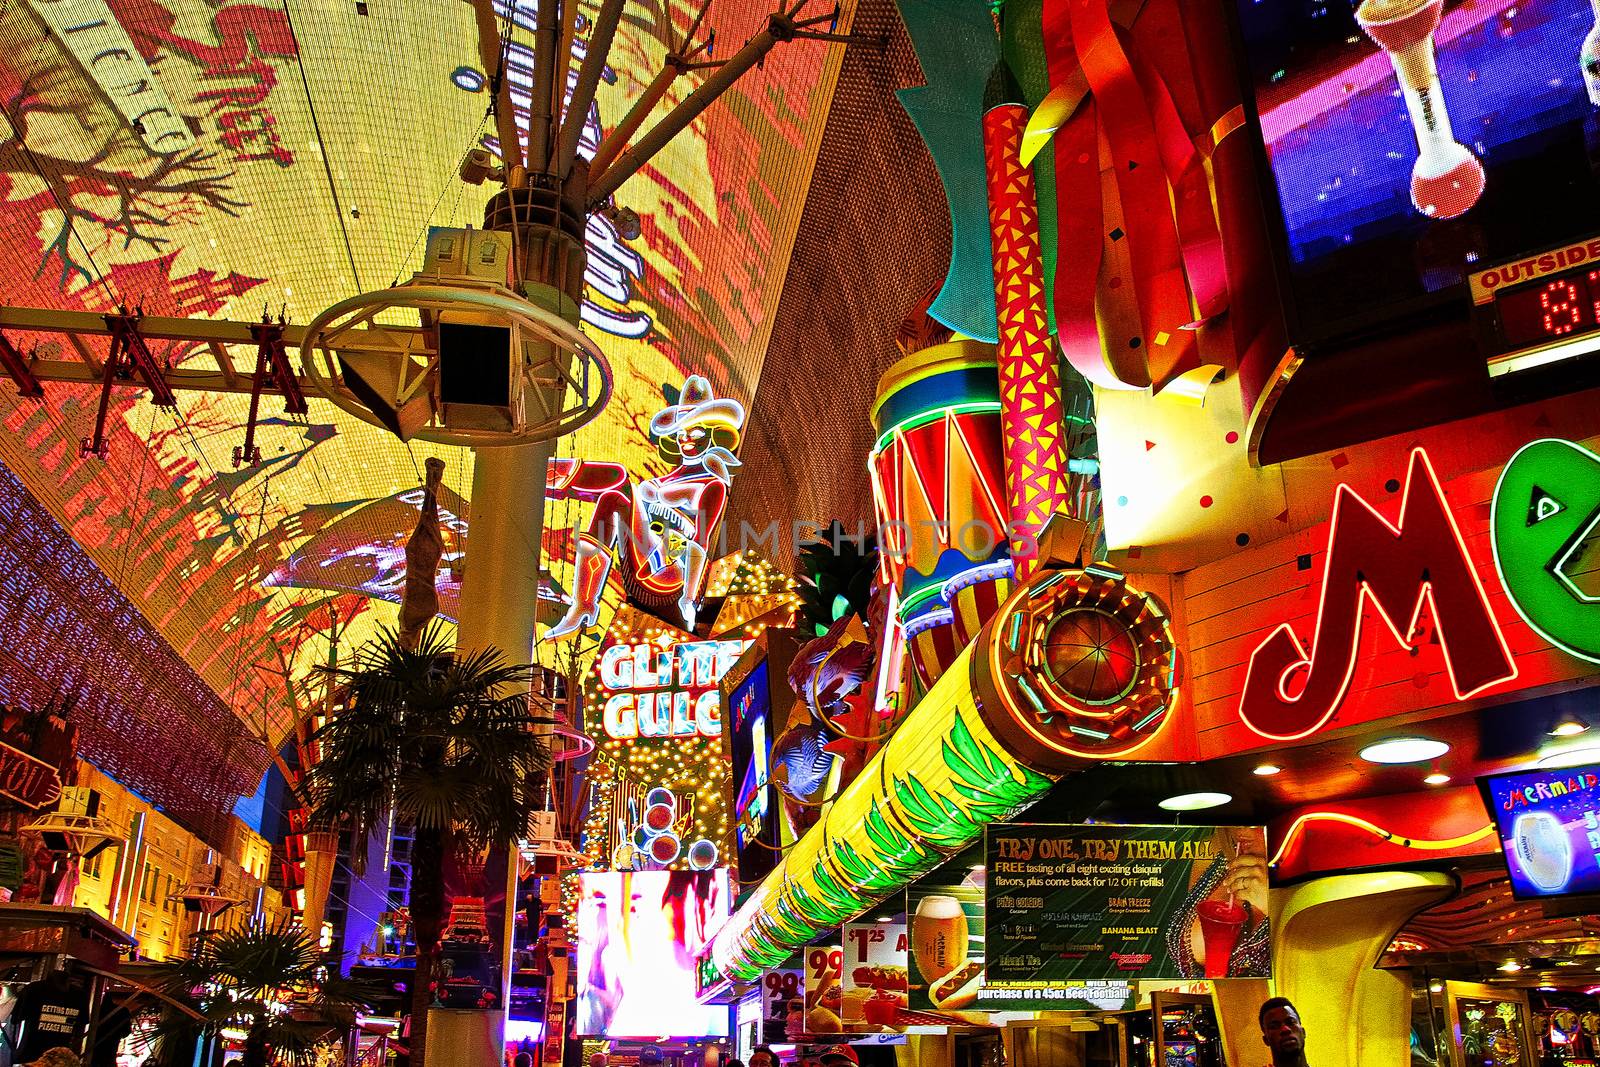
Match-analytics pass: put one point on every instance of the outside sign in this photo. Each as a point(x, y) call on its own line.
point(30, 782)
point(824, 993)
point(946, 915)
point(1077, 913)
point(1396, 565)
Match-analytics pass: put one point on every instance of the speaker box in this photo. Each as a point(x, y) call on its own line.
point(476, 384)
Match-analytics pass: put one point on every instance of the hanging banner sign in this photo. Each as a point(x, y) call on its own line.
point(1078, 913)
point(873, 976)
point(824, 993)
point(30, 782)
point(782, 999)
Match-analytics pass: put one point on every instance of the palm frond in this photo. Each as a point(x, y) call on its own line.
point(447, 740)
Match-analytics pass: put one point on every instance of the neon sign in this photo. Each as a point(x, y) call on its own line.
point(1546, 505)
point(31, 782)
point(1420, 560)
point(667, 691)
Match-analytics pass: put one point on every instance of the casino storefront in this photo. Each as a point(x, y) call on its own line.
point(1393, 679)
point(1280, 681)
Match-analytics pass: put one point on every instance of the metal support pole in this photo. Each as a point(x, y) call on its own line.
point(489, 54)
point(541, 111)
point(617, 140)
point(15, 364)
point(594, 61)
point(781, 26)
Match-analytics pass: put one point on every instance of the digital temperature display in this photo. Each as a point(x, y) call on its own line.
point(1550, 310)
point(1530, 310)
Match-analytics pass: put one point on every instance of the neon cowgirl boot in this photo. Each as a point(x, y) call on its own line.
point(591, 564)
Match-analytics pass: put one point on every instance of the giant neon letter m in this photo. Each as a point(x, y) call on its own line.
point(1398, 569)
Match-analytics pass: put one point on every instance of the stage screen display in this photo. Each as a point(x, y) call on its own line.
point(1548, 822)
point(638, 935)
point(754, 801)
point(1412, 142)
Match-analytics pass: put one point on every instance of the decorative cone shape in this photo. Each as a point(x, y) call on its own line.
point(322, 849)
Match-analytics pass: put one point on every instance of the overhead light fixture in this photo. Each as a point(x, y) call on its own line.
point(886, 918)
point(1569, 725)
point(1436, 987)
point(1436, 778)
point(1266, 770)
point(1511, 967)
point(1404, 750)
point(1195, 801)
point(1571, 757)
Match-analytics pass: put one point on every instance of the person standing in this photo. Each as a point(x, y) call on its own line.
point(1282, 1032)
point(50, 1013)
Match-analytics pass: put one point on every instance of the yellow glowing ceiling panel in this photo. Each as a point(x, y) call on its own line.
point(207, 158)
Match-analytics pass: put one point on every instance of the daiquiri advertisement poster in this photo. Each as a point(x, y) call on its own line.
point(1078, 913)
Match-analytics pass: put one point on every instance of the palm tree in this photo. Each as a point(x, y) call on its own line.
point(440, 742)
point(245, 979)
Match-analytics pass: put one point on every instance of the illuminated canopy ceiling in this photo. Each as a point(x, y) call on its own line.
point(220, 157)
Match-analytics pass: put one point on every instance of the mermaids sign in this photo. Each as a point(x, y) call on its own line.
point(1396, 567)
point(1546, 506)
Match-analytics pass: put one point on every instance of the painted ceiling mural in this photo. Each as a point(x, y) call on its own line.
point(166, 153)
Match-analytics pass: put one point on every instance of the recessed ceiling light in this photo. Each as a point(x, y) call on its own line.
point(1195, 801)
point(1267, 770)
point(1404, 750)
point(1436, 778)
point(1511, 966)
point(886, 918)
point(1568, 725)
point(1571, 757)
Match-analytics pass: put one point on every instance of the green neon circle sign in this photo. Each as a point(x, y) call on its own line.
point(1546, 506)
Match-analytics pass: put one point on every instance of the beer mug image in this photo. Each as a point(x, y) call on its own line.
point(1543, 849)
point(939, 936)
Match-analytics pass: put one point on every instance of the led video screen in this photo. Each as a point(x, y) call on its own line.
point(212, 199)
point(1411, 142)
point(638, 936)
point(1548, 822)
point(755, 809)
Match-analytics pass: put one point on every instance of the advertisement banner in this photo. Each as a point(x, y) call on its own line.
point(1078, 913)
point(946, 931)
point(748, 716)
point(638, 936)
point(782, 1000)
point(1547, 826)
point(824, 993)
point(874, 976)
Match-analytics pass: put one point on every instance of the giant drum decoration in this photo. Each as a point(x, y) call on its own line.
point(938, 481)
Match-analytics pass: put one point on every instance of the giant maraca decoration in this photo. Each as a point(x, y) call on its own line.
point(1447, 178)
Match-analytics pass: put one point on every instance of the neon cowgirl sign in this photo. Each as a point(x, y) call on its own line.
point(669, 691)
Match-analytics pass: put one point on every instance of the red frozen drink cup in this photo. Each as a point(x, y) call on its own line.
point(1220, 923)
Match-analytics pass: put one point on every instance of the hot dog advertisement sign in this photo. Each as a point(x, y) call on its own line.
point(946, 917)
